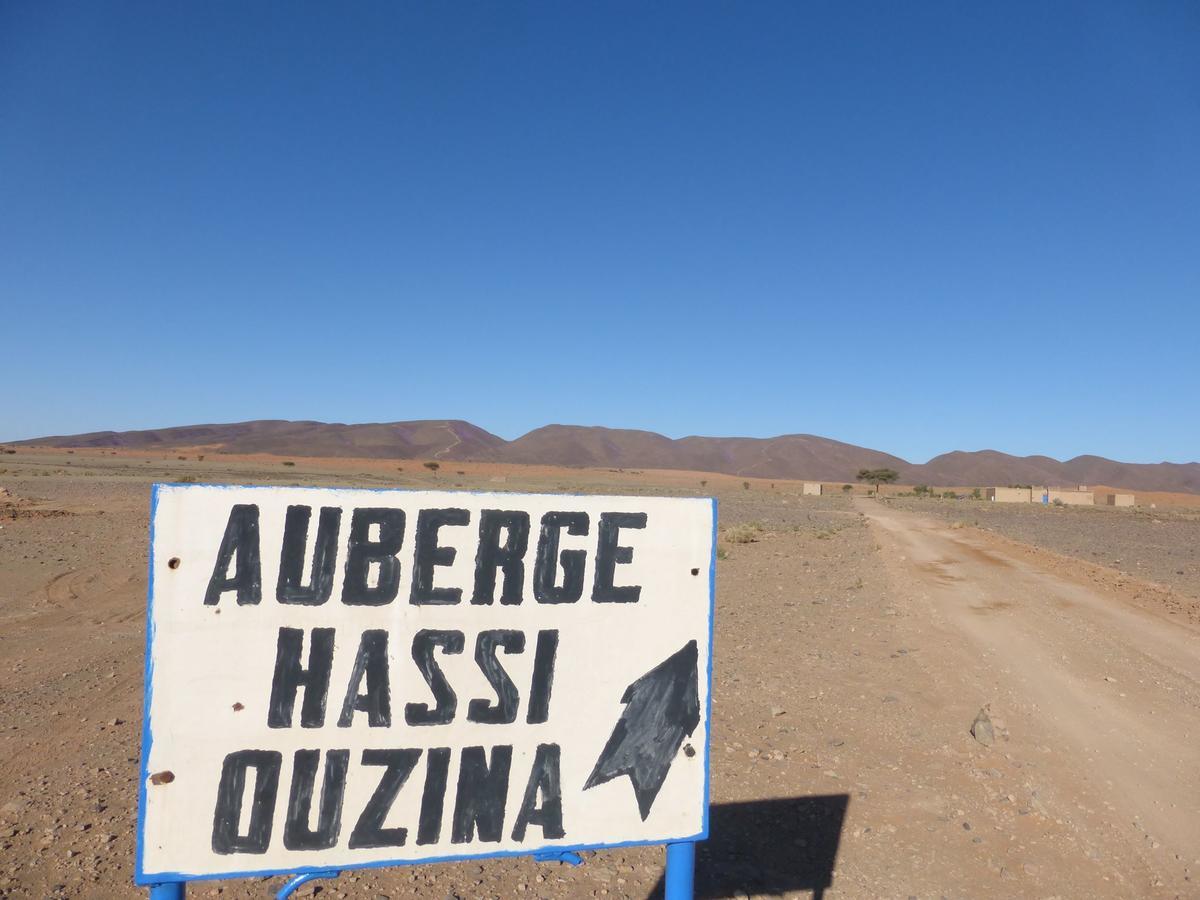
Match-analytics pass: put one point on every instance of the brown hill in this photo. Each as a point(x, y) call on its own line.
point(788, 456)
point(991, 467)
point(394, 440)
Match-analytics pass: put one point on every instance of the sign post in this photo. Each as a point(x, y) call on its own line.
point(341, 679)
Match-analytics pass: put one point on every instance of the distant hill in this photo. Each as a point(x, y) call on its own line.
point(392, 440)
point(787, 456)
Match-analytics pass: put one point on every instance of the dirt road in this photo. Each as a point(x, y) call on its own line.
point(1106, 691)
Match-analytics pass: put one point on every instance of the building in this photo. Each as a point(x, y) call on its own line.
point(811, 489)
point(1119, 499)
point(1065, 496)
point(1009, 494)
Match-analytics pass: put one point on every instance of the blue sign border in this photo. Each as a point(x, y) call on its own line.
point(141, 877)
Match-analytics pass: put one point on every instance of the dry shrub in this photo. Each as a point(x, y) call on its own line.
point(743, 534)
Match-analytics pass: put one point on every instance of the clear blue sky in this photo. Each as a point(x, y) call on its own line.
point(917, 227)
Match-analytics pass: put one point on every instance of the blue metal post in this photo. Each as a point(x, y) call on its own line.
point(168, 890)
point(298, 881)
point(681, 870)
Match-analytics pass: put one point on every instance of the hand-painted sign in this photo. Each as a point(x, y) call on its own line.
point(341, 678)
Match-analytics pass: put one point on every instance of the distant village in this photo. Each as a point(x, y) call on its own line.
point(1080, 495)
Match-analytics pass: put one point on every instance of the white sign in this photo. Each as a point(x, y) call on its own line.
point(344, 678)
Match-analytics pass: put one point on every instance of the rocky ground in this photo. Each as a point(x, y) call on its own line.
point(844, 694)
point(1152, 544)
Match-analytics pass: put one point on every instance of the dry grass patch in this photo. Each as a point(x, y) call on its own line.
point(746, 533)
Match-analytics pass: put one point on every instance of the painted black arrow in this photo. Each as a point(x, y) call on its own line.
point(661, 708)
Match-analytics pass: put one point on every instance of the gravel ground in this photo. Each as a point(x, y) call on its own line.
point(1155, 545)
point(840, 750)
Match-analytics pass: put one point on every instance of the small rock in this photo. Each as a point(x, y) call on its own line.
point(981, 729)
point(777, 710)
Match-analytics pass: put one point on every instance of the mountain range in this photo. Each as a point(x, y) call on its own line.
point(792, 456)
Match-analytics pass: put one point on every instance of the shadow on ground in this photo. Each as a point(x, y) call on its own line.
point(769, 847)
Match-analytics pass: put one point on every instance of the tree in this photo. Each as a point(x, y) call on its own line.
point(876, 477)
point(847, 488)
point(433, 467)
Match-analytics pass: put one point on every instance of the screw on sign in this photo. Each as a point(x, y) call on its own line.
point(341, 679)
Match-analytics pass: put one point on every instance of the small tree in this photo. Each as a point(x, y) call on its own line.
point(876, 477)
point(433, 467)
point(847, 488)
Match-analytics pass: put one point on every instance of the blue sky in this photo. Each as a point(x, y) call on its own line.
point(917, 227)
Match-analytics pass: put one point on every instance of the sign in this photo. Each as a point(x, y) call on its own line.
point(347, 678)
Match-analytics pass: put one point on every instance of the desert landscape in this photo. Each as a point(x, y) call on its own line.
point(914, 696)
point(651, 451)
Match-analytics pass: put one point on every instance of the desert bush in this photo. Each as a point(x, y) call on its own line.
point(949, 495)
point(976, 494)
point(288, 462)
point(847, 488)
point(921, 490)
point(188, 479)
point(743, 534)
point(745, 485)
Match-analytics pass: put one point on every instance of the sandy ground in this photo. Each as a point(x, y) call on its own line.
point(856, 642)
